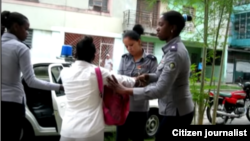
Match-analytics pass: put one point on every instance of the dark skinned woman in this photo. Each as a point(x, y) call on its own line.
point(170, 82)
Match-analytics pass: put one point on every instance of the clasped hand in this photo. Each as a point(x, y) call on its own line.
point(140, 81)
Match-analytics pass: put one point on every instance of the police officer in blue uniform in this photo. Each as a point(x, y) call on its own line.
point(170, 83)
point(16, 60)
point(133, 64)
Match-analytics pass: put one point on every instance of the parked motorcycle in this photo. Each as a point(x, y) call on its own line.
point(231, 105)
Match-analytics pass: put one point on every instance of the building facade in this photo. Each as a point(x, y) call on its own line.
point(54, 23)
point(57, 22)
point(238, 66)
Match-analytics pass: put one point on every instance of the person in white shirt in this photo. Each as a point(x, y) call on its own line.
point(83, 119)
point(108, 63)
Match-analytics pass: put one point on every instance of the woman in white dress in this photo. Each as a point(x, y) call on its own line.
point(83, 119)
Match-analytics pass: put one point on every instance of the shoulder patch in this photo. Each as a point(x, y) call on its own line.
point(173, 47)
point(125, 55)
point(152, 57)
point(172, 65)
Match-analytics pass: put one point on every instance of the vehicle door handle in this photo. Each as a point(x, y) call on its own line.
point(62, 105)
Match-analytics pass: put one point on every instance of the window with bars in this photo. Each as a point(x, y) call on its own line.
point(242, 25)
point(28, 40)
point(148, 47)
point(145, 15)
point(189, 11)
point(99, 5)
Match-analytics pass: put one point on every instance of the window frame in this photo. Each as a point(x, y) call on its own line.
point(44, 68)
point(242, 2)
point(146, 48)
point(30, 35)
point(240, 32)
point(106, 10)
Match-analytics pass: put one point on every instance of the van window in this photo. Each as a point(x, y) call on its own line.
point(55, 71)
point(41, 72)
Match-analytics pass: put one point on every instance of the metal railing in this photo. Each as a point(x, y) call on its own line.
point(146, 19)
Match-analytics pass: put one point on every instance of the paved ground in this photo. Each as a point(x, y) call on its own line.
point(240, 121)
point(47, 138)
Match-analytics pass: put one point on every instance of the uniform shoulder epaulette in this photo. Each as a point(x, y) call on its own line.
point(125, 55)
point(152, 57)
point(173, 47)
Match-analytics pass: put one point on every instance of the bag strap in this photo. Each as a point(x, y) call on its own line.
point(99, 80)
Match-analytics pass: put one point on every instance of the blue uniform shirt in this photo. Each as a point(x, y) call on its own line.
point(170, 83)
point(129, 67)
point(16, 59)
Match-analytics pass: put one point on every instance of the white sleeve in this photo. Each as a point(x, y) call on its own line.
point(125, 80)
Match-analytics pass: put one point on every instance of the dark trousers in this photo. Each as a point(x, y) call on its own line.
point(134, 127)
point(12, 120)
point(169, 122)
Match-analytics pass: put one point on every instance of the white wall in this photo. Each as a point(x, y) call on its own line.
point(46, 45)
point(56, 2)
point(119, 50)
point(83, 4)
point(45, 18)
point(119, 6)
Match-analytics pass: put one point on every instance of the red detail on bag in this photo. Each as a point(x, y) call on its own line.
point(115, 106)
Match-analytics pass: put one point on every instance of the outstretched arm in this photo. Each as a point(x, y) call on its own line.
point(169, 72)
point(28, 72)
point(125, 80)
point(152, 76)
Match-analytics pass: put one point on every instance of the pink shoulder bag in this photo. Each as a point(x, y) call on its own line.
point(115, 106)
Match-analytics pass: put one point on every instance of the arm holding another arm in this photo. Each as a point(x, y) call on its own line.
point(152, 76)
point(121, 72)
point(169, 72)
point(125, 80)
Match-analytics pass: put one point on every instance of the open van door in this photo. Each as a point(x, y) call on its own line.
point(58, 97)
